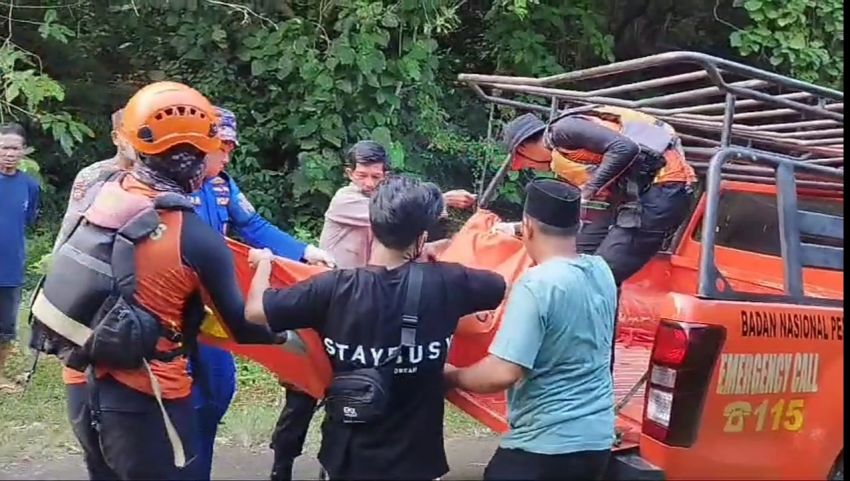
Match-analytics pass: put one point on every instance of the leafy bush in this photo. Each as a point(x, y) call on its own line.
point(309, 78)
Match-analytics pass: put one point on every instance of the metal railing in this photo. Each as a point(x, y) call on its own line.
point(712, 103)
point(736, 123)
point(793, 223)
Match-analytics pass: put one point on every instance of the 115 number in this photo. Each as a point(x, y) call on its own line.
point(785, 415)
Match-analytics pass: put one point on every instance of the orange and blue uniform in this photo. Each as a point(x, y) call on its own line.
point(171, 272)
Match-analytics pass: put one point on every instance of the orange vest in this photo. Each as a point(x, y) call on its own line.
point(577, 166)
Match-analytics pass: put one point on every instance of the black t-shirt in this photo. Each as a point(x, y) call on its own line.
point(357, 312)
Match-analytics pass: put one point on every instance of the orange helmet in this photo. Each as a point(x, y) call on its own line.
point(164, 114)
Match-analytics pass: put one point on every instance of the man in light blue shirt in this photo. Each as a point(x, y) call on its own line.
point(552, 351)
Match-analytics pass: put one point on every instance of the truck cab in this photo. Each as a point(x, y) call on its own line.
point(730, 357)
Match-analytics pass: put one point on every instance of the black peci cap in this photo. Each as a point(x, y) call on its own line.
point(553, 203)
point(520, 129)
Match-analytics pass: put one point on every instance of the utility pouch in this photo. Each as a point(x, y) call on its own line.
point(629, 216)
point(630, 211)
point(359, 396)
point(125, 336)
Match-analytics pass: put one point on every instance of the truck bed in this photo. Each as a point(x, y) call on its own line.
point(630, 363)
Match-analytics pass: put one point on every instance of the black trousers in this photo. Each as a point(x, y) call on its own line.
point(518, 465)
point(79, 414)
point(290, 432)
point(627, 250)
point(128, 441)
point(515, 465)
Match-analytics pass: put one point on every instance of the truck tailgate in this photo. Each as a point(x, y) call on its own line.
point(630, 364)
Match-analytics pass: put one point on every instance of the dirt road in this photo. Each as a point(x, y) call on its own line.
point(467, 458)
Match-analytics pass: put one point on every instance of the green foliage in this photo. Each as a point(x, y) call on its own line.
point(27, 94)
point(31, 168)
point(39, 246)
point(544, 37)
point(307, 79)
point(802, 37)
point(307, 87)
point(52, 29)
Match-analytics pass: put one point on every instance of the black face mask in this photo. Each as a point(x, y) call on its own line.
point(181, 172)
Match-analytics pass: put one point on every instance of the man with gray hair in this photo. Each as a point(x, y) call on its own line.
point(89, 179)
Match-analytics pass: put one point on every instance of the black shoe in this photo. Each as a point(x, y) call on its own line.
point(282, 470)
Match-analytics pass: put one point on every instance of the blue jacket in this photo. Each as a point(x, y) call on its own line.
point(223, 206)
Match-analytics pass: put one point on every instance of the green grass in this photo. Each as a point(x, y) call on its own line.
point(34, 423)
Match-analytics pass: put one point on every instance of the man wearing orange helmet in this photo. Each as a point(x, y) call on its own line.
point(123, 299)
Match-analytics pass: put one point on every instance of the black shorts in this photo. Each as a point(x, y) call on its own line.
point(10, 303)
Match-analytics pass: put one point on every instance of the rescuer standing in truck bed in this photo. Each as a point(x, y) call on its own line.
point(631, 169)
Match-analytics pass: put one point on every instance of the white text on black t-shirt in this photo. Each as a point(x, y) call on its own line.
point(374, 356)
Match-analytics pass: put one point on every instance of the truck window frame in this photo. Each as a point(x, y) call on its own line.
point(742, 211)
point(711, 283)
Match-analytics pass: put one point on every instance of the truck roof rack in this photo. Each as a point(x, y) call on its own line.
point(713, 103)
point(736, 123)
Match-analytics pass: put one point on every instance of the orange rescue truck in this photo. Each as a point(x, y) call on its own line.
point(730, 344)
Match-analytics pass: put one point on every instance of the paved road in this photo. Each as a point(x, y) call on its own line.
point(467, 458)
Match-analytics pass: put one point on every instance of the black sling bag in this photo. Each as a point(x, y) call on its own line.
point(362, 395)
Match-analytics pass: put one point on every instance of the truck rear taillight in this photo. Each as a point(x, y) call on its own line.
point(681, 366)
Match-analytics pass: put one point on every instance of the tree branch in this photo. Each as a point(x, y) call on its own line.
point(246, 12)
point(41, 7)
point(9, 19)
point(724, 22)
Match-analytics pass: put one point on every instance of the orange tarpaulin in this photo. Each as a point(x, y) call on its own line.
point(303, 363)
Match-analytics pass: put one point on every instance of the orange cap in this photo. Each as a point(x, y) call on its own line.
point(164, 114)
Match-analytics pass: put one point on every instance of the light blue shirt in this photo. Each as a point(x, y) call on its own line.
point(558, 326)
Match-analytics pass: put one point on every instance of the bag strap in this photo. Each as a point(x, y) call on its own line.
point(124, 251)
point(145, 224)
point(578, 110)
point(410, 314)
